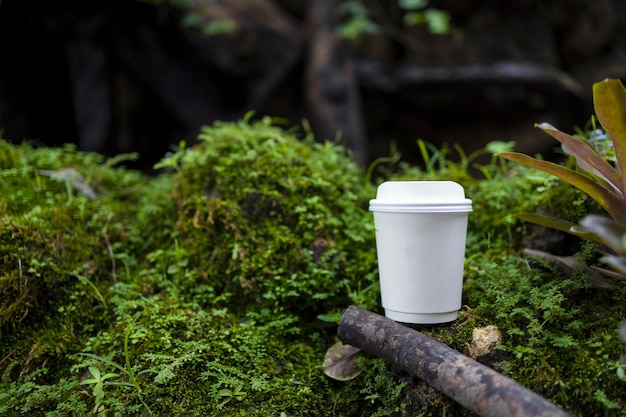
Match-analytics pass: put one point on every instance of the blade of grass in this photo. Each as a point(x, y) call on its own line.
point(105, 360)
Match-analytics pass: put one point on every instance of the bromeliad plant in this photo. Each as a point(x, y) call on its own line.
point(601, 176)
point(602, 181)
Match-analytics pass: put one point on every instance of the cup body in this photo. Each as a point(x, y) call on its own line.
point(421, 230)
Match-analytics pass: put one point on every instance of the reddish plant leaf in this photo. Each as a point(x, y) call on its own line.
point(608, 199)
point(609, 273)
point(609, 100)
point(616, 262)
point(558, 224)
point(581, 150)
point(610, 232)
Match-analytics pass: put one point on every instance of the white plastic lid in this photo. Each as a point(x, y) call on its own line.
point(421, 197)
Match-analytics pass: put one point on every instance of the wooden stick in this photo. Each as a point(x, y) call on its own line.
point(471, 384)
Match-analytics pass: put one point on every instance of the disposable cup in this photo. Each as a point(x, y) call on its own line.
point(421, 230)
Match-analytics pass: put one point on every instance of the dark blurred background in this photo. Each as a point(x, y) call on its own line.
point(121, 76)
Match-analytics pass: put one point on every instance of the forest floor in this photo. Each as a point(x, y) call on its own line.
point(215, 287)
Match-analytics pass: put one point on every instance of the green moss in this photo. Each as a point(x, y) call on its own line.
point(270, 220)
point(221, 266)
point(197, 292)
point(56, 247)
point(560, 334)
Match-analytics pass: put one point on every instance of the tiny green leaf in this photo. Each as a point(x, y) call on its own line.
point(225, 393)
point(109, 375)
point(95, 372)
point(98, 392)
point(498, 146)
point(330, 317)
point(89, 381)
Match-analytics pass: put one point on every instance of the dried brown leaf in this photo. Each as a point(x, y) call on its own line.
point(340, 362)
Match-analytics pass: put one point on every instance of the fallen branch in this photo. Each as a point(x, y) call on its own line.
point(471, 384)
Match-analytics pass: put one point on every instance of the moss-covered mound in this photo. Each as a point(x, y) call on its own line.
point(271, 222)
point(63, 215)
point(211, 288)
point(212, 273)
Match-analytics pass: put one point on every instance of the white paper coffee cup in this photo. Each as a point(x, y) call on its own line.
point(421, 230)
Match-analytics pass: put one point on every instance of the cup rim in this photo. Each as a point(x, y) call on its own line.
point(462, 206)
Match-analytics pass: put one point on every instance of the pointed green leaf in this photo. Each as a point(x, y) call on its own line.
point(330, 317)
point(98, 392)
point(581, 150)
point(225, 393)
point(122, 384)
point(608, 199)
point(95, 372)
point(90, 381)
point(105, 360)
point(609, 100)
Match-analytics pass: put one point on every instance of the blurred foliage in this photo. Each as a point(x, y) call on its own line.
point(358, 17)
point(363, 18)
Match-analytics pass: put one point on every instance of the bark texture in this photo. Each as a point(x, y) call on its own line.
point(471, 384)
